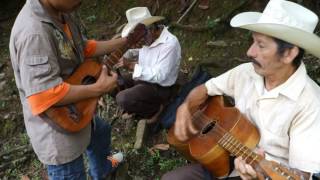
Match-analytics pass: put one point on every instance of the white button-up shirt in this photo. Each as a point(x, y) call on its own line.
point(158, 63)
point(287, 117)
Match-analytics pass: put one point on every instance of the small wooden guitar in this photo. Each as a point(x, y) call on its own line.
point(74, 117)
point(224, 131)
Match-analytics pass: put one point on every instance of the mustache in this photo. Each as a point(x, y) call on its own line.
point(249, 59)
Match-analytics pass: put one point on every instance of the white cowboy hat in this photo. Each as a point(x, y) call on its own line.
point(138, 15)
point(284, 20)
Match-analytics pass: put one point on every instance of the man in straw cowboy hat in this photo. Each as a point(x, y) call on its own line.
point(155, 66)
point(273, 91)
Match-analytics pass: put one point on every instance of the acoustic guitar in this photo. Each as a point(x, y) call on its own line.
point(72, 118)
point(225, 132)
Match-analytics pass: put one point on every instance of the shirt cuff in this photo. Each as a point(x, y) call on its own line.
point(207, 84)
point(42, 101)
point(90, 48)
point(137, 71)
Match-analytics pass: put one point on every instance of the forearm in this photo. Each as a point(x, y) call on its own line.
point(105, 47)
point(79, 92)
point(196, 97)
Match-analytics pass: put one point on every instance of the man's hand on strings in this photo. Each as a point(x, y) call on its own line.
point(183, 127)
point(107, 81)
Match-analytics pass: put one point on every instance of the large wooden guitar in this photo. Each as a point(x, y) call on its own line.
point(72, 118)
point(225, 132)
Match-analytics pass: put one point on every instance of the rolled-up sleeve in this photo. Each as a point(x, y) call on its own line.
point(223, 84)
point(38, 64)
point(90, 48)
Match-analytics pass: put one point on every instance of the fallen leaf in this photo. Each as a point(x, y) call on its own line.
point(163, 147)
point(151, 151)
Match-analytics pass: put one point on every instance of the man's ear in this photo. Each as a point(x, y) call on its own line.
point(290, 55)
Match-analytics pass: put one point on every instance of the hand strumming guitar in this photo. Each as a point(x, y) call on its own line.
point(106, 82)
point(184, 127)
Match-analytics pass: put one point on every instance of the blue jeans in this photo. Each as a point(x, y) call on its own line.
point(97, 152)
point(316, 176)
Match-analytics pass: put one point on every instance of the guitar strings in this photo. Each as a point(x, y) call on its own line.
point(227, 140)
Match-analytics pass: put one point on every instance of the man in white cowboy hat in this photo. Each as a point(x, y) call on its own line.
point(155, 66)
point(273, 91)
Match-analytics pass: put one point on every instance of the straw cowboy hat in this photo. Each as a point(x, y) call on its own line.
point(284, 20)
point(138, 15)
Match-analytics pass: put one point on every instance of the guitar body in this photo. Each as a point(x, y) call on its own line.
point(73, 119)
point(204, 146)
point(182, 147)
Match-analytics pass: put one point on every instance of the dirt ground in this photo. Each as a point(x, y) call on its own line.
point(206, 39)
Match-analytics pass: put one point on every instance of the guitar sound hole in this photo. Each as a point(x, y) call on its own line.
point(208, 127)
point(88, 80)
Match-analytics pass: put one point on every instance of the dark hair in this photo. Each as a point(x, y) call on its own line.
point(282, 46)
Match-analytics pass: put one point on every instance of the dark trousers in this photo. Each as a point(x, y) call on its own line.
point(142, 98)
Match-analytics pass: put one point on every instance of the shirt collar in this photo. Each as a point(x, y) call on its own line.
point(295, 84)
point(42, 15)
point(39, 11)
point(291, 88)
point(162, 38)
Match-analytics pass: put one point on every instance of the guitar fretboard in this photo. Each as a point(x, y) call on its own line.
point(236, 148)
point(114, 57)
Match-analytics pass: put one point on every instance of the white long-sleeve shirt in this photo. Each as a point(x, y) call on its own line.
point(158, 63)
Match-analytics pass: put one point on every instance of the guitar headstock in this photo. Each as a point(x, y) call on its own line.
point(137, 34)
point(278, 171)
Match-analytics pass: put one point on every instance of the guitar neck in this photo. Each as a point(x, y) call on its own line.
point(235, 147)
point(268, 169)
point(114, 57)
